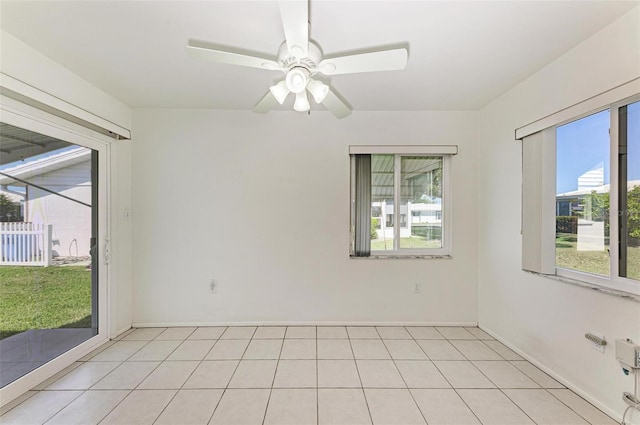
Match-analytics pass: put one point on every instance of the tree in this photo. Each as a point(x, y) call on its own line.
point(596, 208)
point(633, 214)
point(374, 226)
point(9, 210)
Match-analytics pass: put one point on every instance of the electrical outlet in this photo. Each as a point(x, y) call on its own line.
point(417, 288)
point(213, 287)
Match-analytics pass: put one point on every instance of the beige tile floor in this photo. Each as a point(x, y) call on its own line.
point(303, 375)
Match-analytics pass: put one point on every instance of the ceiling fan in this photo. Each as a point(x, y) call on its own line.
point(301, 59)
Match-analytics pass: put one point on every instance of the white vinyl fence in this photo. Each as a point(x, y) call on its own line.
point(25, 244)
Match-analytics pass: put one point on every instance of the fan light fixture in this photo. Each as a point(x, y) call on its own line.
point(300, 58)
point(302, 103)
point(280, 91)
point(318, 90)
point(297, 79)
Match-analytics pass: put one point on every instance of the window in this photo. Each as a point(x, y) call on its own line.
point(400, 202)
point(629, 190)
point(582, 195)
point(581, 198)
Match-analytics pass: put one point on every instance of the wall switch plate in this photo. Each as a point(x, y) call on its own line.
point(417, 288)
point(213, 287)
point(126, 214)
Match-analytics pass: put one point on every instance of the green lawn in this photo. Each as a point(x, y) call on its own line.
point(597, 262)
point(412, 242)
point(44, 298)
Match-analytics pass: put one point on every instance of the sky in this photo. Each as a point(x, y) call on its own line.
point(583, 145)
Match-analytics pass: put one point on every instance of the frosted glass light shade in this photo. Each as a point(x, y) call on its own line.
point(302, 103)
point(318, 90)
point(280, 91)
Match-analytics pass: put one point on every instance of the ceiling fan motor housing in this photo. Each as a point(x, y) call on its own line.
point(289, 61)
point(297, 79)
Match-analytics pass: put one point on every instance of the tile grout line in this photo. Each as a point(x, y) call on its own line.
point(275, 372)
point(141, 381)
point(224, 390)
point(87, 389)
point(400, 374)
point(200, 362)
point(188, 377)
point(455, 390)
point(63, 407)
point(573, 410)
point(496, 386)
point(364, 394)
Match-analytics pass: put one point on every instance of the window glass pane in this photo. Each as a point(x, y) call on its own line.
point(631, 211)
point(421, 202)
point(382, 202)
point(582, 195)
point(48, 229)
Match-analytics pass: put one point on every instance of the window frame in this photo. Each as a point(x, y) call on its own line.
point(613, 282)
point(33, 119)
point(444, 152)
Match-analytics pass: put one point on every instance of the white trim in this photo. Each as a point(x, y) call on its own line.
point(403, 257)
point(614, 283)
point(580, 109)
point(397, 188)
point(564, 381)
point(587, 285)
point(404, 149)
point(14, 113)
point(120, 332)
point(28, 94)
point(303, 323)
point(23, 115)
point(446, 218)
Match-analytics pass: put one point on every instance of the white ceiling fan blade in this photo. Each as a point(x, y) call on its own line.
point(267, 103)
point(295, 21)
point(209, 52)
point(383, 60)
point(333, 103)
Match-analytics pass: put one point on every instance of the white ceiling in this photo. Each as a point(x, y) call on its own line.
point(462, 54)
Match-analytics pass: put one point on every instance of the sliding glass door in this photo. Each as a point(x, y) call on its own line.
point(51, 219)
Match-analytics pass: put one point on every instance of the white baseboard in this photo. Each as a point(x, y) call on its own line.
point(564, 381)
point(119, 332)
point(286, 323)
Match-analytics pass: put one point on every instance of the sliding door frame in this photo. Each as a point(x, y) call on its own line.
point(29, 118)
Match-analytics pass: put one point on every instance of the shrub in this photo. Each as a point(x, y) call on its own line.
point(374, 228)
point(567, 224)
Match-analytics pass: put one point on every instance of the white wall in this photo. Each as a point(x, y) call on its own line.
point(260, 203)
point(121, 271)
point(544, 318)
point(20, 61)
point(29, 66)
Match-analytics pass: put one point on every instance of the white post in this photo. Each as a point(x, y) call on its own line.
point(48, 233)
point(409, 217)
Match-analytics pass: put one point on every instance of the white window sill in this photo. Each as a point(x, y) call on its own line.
point(589, 285)
point(402, 257)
